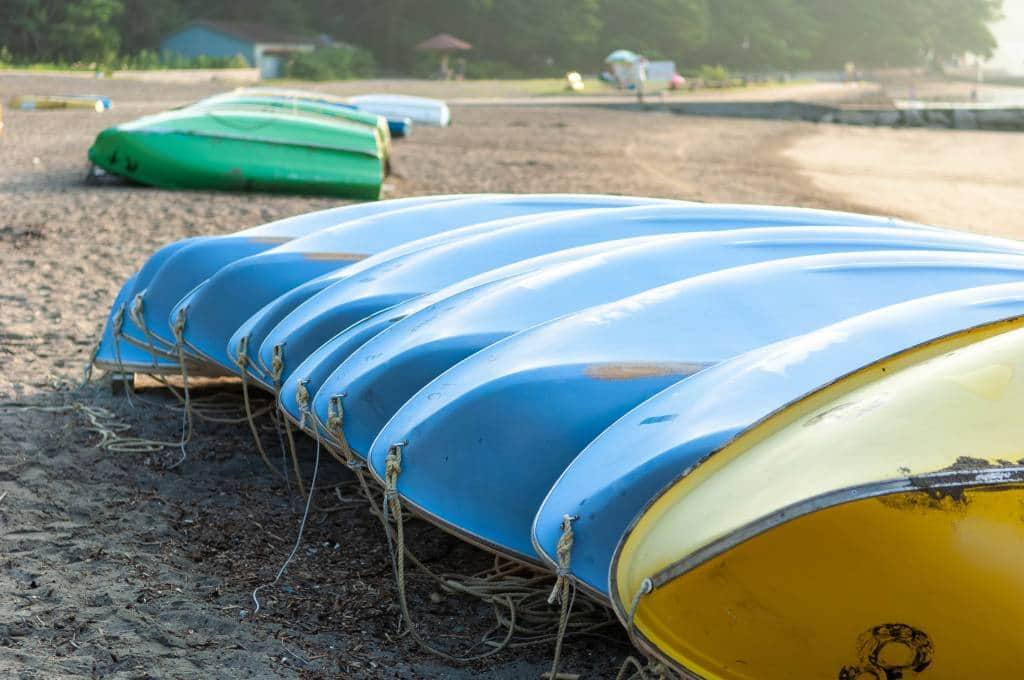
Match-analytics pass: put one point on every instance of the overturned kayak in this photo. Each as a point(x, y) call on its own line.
point(381, 376)
point(398, 126)
point(177, 268)
point(245, 150)
point(870, 530)
point(299, 102)
point(214, 311)
point(429, 269)
point(611, 481)
point(484, 441)
point(350, 298)
point(318, 366)
point(420, 110)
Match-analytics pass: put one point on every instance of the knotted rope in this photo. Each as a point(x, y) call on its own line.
point(563, 590)
point(186, 425)
point(393, 506)
point(242, 361)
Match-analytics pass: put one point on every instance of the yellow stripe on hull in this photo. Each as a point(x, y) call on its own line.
point(874, 529)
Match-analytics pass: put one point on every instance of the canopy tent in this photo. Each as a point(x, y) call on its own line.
point(445, 44)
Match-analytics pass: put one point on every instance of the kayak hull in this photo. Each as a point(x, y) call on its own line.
point(615, 475)
point(892, 535)
point(182, 160)
point(487, 439)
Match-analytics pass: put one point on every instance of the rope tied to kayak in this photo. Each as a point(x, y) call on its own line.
point(179, 338)
point(301, 532)
point(396, 546)
point(242, 361)
point(653, 668)
point(135, 314)
point(336, 425)
point(87, 371)
point(563, 591)
point(277, 365)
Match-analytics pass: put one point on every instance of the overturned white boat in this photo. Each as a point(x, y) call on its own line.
point(420, 110)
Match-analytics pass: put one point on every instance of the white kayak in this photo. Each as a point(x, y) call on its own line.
point(420, 110)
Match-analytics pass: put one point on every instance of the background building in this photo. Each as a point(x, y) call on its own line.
point(263, 47)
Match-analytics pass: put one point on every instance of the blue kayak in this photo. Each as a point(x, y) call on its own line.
point(399, 127)
point(382, 375)
point(176, 269)
point(486, 440)
point(237, 291)
point(115, 355)
point(289, 275)
point(615, 476)
point(322, 362)
point(430, 269)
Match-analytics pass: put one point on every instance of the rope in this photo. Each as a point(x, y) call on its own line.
point(563, 590)
point(118, 325)
point(186, 425)
point(135, 314)
point(102, 422)
point(242, 361)
point(277, 372)
point(336, 425)
point(87, 371)
point(516, 593)
point(302, 529)
point(392, 504)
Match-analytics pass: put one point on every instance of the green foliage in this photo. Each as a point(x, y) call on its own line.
point(718, 74)
point(659, 29)
point(341, 62)
point(521, 37)
point(86, 31)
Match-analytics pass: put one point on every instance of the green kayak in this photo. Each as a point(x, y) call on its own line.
point(245, 149)
point(299, 101)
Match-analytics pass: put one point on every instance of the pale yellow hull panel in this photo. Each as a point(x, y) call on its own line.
point(844, 512)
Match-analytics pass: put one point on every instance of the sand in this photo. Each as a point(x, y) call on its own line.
point(113, 566)
point(969, 180)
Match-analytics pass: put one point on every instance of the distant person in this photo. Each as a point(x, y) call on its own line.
point(460, 69)
point(640, 78)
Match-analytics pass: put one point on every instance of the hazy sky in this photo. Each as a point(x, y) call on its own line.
point(1010, 34)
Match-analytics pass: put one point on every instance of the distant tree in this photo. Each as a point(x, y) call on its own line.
point(758, 34)
point(657, 28)
point(85, 30)
point(25, 27)
point(958, 26)
point(901, 32)
point(144, 23)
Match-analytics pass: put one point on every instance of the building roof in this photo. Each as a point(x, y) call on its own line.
point(253, 32)
point(444, 43)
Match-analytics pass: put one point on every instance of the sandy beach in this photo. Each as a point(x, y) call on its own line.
point(112, 566)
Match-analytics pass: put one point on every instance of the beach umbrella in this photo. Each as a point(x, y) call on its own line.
point(445, 44)
point(626, 56)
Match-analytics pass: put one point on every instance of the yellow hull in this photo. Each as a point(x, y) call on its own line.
point(51, 103)
point(873, 530)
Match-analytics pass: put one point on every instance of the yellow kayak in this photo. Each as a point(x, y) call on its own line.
point(872, 530)
point(48, 102)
